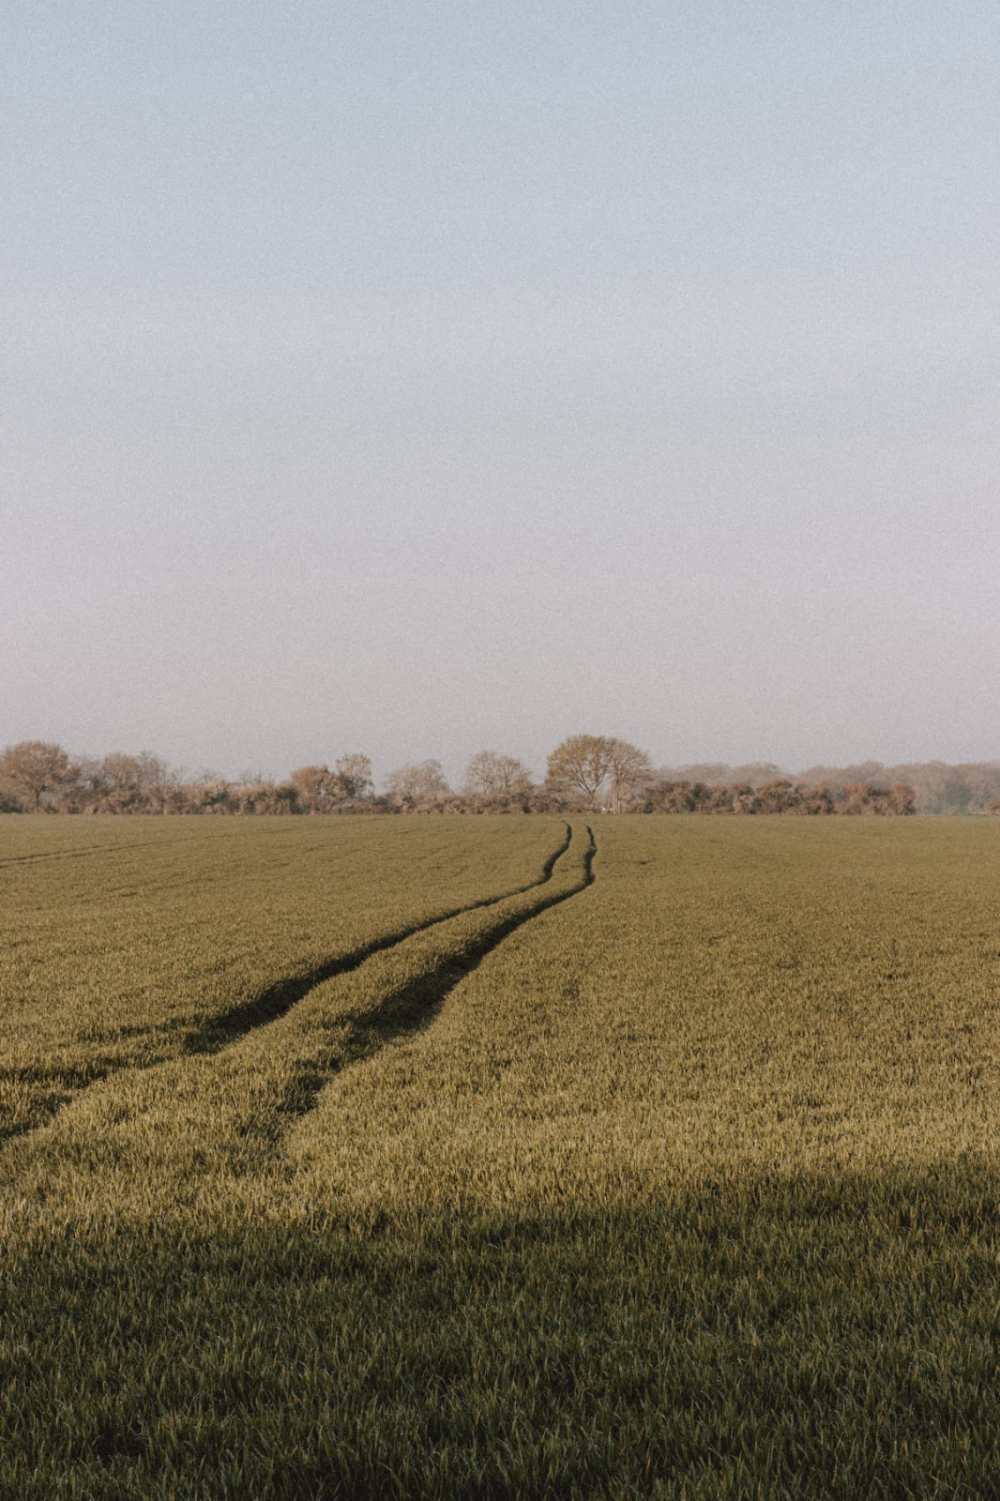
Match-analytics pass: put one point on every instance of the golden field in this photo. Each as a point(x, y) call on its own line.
point(435, 1158)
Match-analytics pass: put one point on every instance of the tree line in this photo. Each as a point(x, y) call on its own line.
point(585, 773)
point(969, 787)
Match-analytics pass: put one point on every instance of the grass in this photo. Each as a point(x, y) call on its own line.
point(679, 1182)
point(128, 942)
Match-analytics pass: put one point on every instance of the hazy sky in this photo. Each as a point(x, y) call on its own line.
point(426, 376)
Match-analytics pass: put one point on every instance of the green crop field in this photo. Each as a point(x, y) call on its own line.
point(491, 1158)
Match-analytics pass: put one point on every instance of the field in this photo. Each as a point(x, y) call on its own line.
point(497, 1158)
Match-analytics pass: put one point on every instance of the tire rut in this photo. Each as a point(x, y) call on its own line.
point(223, 1030)
point(236, 1108)
point(232, 1026)
point(413, 1007)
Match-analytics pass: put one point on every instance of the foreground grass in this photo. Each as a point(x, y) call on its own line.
point(775, 1337)
point(683, 1186)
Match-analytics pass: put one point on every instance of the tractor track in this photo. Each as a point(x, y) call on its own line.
point(399, 1012)
point(223, 1030)
point(414, 1006)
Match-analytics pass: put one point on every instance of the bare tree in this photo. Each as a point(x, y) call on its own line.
point(628, 767)
point(580, 765)
point(408, 784)
point(491, 775)
point(34, 767)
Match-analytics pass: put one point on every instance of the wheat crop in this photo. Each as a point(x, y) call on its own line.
point(671, 1174)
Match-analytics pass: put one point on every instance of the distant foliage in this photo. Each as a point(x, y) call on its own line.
point(420, 786)
point(585, 773)
point(317, 789)
point(937, 787)
point(33, 768)
point(778, 796)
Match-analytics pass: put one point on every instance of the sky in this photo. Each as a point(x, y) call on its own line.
point(422, 377)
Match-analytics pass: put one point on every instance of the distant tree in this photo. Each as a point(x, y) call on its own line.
point(34, 767)
point(956, 794)
point(757, 773)
point(315, 788)
point(857, 798)
point(983, 781)
point(127, 784)
point(494, 776)
point(902, 799)
point(715, 773)
point(627, 768)
point(721, 774)
point(353, 776)
point(409, 785)
point(937, 787)
point(579, 766)
point(320, 790)
point(865, 798)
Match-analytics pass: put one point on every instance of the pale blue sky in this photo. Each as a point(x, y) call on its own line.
point(419, 377)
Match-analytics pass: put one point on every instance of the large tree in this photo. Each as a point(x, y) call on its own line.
point(580, 766)
point(34, 767)
point(585, 765)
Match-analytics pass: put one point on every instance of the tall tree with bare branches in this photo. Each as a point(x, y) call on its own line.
point(580, 766)
point(627, 767)
point(410, 784)
point(491, 775)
